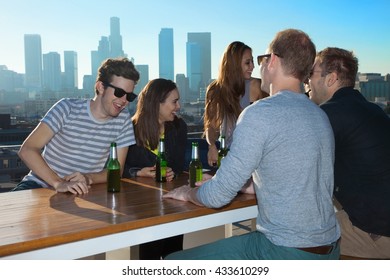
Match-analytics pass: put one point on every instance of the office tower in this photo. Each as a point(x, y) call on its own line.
point(143, 77)
point(183, 86)
point(52, 71)
point(103, 49)
point(199, 48)
point(70, 70)
point(97, 57)
point(115, 38)
point(89, 85)
point(33, 61)
point(165, 54)
point(95, 62)
point(194, 69)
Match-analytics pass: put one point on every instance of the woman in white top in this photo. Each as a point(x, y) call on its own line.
point(228, 95)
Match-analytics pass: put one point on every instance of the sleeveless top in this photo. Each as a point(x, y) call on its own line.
point(229, 123)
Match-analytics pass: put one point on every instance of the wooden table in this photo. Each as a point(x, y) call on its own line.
point(43, 224)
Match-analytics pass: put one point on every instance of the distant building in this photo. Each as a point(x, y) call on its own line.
point(115, 38)
point(194, 71)
point(71, 73)
point(10, 80)
point(143, 70)
point(37, 108)
point(166, 54)
point(5, 121)
point(198, 62)
point(33, 61)
point(373, 86)
point(89, 85)
point(184, 89)
point(13, 136)
point(102, 53)
point(12, 168)
point(108, 47)
point(52, 71)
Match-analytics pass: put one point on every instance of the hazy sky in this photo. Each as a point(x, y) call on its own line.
point(361, 25)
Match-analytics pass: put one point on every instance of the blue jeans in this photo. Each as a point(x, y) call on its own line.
point(250, 246)
point(26, 185)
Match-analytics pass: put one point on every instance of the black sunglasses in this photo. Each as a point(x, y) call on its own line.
point(118, 92)
point(261, 57)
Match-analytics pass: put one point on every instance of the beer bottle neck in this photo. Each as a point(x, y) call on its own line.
point(194, 152)
point(223, 143)
point(113, 153)
point(161, 148)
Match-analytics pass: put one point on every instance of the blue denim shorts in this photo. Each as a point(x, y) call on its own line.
point(26, 185)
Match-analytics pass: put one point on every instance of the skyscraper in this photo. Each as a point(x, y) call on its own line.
point(97, 57)
point(182, 85)
point(33, 61)
point(70, 70)
point(199, 48)
point(143, 70)
point(166, 54)
point(115, 38)
point(52, 71)
point(194, 69)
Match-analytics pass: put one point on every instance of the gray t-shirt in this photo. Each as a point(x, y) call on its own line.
point(287, 144)
point(81, 143)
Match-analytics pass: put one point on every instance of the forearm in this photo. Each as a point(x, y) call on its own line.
point(192, 197)
point(34, 161)
point(96, 178)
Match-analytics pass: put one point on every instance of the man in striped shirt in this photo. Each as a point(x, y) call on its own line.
point(75, 134)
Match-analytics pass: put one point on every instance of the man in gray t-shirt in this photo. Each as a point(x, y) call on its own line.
point(285, 142)
point(75, 135)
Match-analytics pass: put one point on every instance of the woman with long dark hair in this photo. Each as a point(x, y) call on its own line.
point(155, 118)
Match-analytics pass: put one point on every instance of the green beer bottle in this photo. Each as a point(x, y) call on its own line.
point(195, 168)
point(222, 150)
point(113, 171)
point(161, 163)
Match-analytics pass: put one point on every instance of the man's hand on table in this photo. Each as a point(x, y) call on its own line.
point(186, 193)
point(75, 187)
point(76, 183)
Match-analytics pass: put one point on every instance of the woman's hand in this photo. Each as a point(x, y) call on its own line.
point(212, 155)
point(170, 174)
point(147, 172)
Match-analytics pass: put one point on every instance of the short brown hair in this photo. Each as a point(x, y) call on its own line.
point(341, 61)
point(121, 67)
point(296, 50)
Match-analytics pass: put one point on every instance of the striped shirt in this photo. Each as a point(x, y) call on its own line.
point(81, 143)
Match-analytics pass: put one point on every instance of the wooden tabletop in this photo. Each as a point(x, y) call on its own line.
point(35, 219)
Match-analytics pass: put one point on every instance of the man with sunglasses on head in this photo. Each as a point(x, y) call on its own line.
point(69, 147)
point(285, 142)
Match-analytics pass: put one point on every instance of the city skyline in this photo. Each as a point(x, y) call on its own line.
point(78, 26)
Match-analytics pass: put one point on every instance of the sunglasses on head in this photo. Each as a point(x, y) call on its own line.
point(118, 92)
